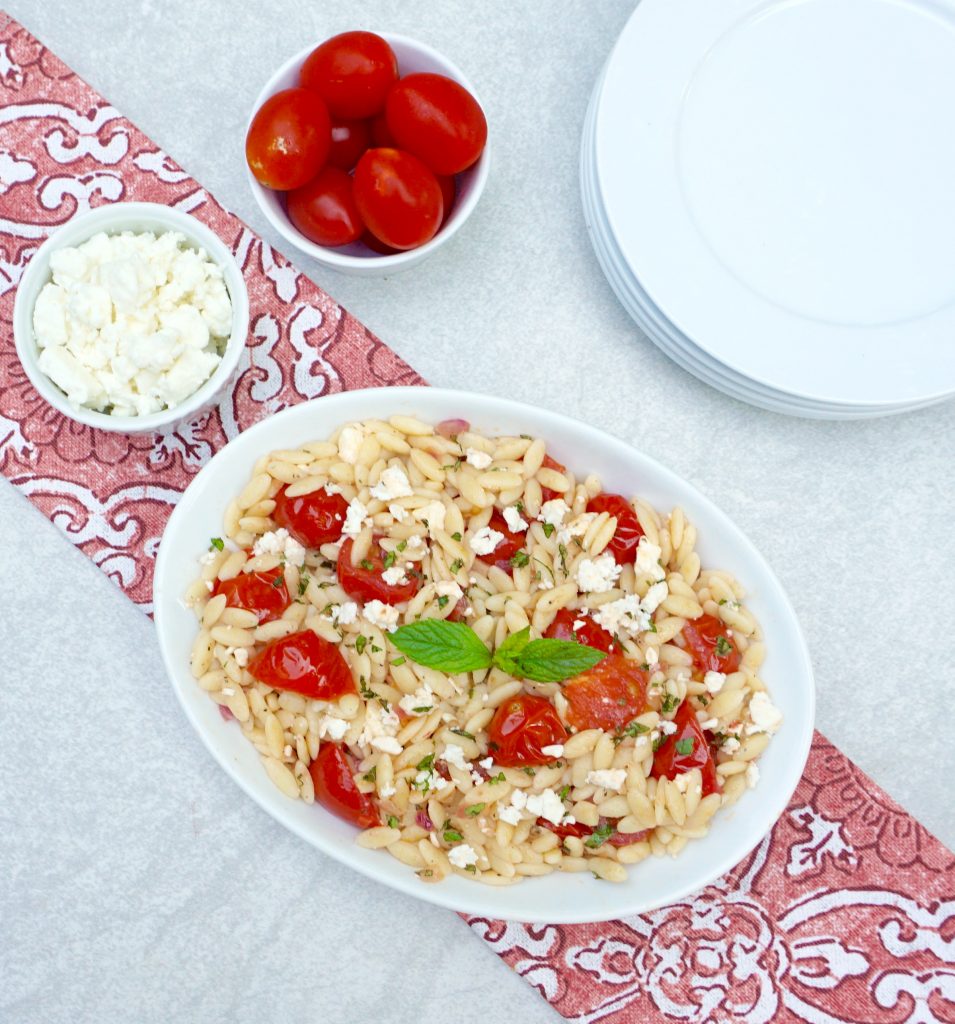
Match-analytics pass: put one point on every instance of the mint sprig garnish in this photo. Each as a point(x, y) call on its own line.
point(454, 647)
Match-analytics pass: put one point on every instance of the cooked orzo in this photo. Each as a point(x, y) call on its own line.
point(491, 667)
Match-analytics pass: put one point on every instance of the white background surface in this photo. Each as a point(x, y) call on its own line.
point(135, 882)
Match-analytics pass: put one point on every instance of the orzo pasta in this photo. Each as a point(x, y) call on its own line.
point(351, 567)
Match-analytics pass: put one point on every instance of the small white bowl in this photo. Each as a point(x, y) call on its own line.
point(357, 258)
point(553, 898)
point(113, 219)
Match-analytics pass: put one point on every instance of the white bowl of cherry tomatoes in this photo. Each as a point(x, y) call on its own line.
point(367, 152)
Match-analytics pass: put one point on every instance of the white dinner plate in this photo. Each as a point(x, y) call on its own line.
point(777, 177)
point(554, 898)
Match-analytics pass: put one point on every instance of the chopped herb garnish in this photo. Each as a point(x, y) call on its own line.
point(658, 742)
point(723, 646)
point(367, 564)
point(426, 763)
point(278, 581)
point(670, 703)
point(390, 559)
point(401, 545)
point(360, 642)
point(530, 771)
point(443, 600)
point(400, 660)
point(498, 778)
point(562, 551)
point(520, 559)
point(519, 505)
point(452, 835)
point(423, 709)
point(456, 536)
point(564, 792)
point(392, 821)
point(475, 809)
point(375, 649)
point(365, 690)
point(549, 529)
point(372, 775)
point(635, 729)
point(218, 543)
point(471, 867)
point(457, 565)
point(599, 836)
point(685, 746)
point(462, 732)
point(303, 582)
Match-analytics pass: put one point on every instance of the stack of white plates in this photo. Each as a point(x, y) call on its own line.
point(770, 190)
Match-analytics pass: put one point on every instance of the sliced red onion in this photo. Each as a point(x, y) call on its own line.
point(225, 712)
point(451, 428)
point(423, 821)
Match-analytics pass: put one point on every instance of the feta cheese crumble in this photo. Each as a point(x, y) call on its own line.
point(332, 727)
point(132, 323)
point(554, 512)
point(393, 483)
point(713, 681)
point(356, 517)
point(516, 523)
point(395, 575)
point(554, 750)
point(381, 615)
point(598, 575)
point(608, 778)
point(485, 540)
point(462, 856)
point(349, 443)
point(450, 589)
point(478, 459)
point(433, 514)
point(418, 703)
point(454, 755)
point(766, 717)
point(279, 542)
point(648, 559)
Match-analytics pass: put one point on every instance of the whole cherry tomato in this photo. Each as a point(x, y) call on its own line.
point(507, 547)
point(448, 192)
point(546, 493)
point(288, 140)
point(437, 120)
point(519, 730)
point(304, 663)
point(380, 135)
point(349, 140)
point(324, 209)
point(364, 581)
point(623, 545)
point(582, 831)
point(264, 593)
point(685, 750)
point(712, 649)
point(377, 245)
point(312, 519)
point(607, 696)
point(398, 198)
point(562, 628)
point(336, 791)
point(352, 72)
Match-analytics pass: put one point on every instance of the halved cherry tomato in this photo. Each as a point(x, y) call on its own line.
point(623, 545)
point(324, 209)
point(562, 628)
point(336, 791)
point(288, 140)
point(458, 612)
point(312, 519)
point(685, 750)
point(398, 198)
point(585, 831)
point(712, 649)
point(607, 696)
point(364, 582)
point(352, 72)
point(507, 547)
point(264, 593)
point(349, 140)
point(438, 120)
point(546, 493)
point(304, 663)
point(519, 730)
point(380, 135)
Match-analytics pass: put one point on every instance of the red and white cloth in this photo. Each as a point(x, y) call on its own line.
point(846, 912)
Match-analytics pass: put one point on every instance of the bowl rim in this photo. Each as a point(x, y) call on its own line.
point(88, 223)
point(476, 900)
point(329, 255)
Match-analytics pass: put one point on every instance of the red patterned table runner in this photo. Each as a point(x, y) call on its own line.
point(845, 913)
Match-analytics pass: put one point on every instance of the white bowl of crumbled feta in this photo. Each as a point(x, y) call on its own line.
point(132, 318)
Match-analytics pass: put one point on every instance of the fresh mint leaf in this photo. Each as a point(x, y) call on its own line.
point(451, 647)
point(599, 836)
point(549, 529)
point(552, 661)
point(506, 657)
point(218, 543)
point(685, 746)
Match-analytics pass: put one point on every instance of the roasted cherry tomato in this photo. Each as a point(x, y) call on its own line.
point(312, 519)
point(349, 140)
point(377, 245)
point(627, 536)
point(336, 790)
point(364, 581)
point(380, 135)
point(288, 140)
point(448, 192)
point(264, 593)
point(437, 120)
point(586, 831)
point(607, 696)
point(546, 493)
point(304, 663)
point(507, 547)
point(685, 750)
point(324, 209)
point(590, 634)
point(519, 730)
point(398, 198)
point(712, 649)
point(352, 72)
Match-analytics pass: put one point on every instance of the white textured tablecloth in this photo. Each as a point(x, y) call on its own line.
point(136, 883)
